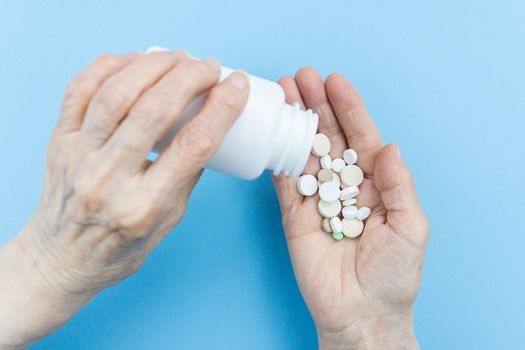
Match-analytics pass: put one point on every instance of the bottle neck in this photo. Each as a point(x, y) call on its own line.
point(293, 140)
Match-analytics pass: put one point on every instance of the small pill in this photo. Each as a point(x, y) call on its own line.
point(336, 224)
point(326, 161)
point(307, 185)
point(350, 212)
point(363, 213)
point(337, 236)
point(329, 191)
point(349, 192)
point(352, 228)
point(350, 156)
point(321, 145)
point(350, 201)
point(338, 165)
point(325, 225)
point(352, 175)
point(325, 175)
point(336, 179)
point(329, 209)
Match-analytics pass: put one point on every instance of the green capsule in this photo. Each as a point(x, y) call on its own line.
point(337, 236)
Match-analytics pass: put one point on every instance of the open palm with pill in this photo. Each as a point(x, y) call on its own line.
point(360, 291)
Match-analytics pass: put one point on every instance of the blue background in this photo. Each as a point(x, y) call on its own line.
point(444, 79)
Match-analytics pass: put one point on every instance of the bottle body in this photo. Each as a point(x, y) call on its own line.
point(269, 134)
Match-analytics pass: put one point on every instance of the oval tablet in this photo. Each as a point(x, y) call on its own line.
point(349, 192)
point(320, 145)
point(350, 201)
point(352, 175)
point(350, 212)
point(352, 228)
point(363, 213)
point(337, 236)
point(329, 191)
point(329, 209)
point(326, 162)
point(307, 185)
point(336, 224)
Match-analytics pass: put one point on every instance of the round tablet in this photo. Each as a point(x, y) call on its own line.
point(350, 156)
point(350, 212)
point(329, 191)
point(325, 175)
point(326, 161)
point(337, 236)
point(320, 145)
point(329, 209)
point(307, 185)
point(352, 228)
point(338, 165)
point(363, 213)
point(352, 175)
point(325, 225)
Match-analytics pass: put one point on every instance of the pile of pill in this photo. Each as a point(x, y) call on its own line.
point(337, 184)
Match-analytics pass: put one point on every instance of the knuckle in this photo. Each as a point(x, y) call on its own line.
point(197, 142)
point(109, 60)
point(224, 100)
point(113, 98)
point(89, 197)
point(135, 221)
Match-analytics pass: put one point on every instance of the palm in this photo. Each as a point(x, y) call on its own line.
point(342, 281)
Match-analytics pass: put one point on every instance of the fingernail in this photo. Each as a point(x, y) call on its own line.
point(213, 63)
point(239, 79)
point(398, 152)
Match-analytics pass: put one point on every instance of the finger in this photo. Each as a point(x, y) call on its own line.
point(200, 138)
point(158, 109)
point(82, 89)
point(361, 132)
point(314, 96)
point(115, 97)
point(285, 185)
point(398, 193)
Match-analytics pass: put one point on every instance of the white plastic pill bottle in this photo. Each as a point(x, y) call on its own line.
point(269, 133)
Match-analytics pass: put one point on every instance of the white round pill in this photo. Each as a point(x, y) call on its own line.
point(329, 191)
point(336, 224)
point(352, 228)
point(325, 175)
point(350, 156)
point(338, 165)
point(329, 209)
point(325, 225)
point(350, 201)
point(320, 145)
point(307, 185)
point(336, 179)
point(349, 192)
point(363, 213)
point(350, 212)
point(352, 175)
point(326, 161)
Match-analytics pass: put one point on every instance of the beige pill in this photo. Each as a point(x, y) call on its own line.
point(325, 175)
point(320, 145)
point(329, 209)
point(352, 228)
point(325, 225)
point(336, 179)
point(352, 175)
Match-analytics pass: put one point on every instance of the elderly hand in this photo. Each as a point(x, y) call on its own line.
point(104, 206)
point(360, 291)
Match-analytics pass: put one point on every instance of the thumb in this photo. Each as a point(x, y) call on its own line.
point(394, 182)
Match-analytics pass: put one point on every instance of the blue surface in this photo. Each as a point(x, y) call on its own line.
point(444, 79)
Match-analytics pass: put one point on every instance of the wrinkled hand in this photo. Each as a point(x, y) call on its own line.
point(360, 291)
point(105, 206)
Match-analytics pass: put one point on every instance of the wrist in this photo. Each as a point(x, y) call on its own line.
point(30, 305)
point(384, 332)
